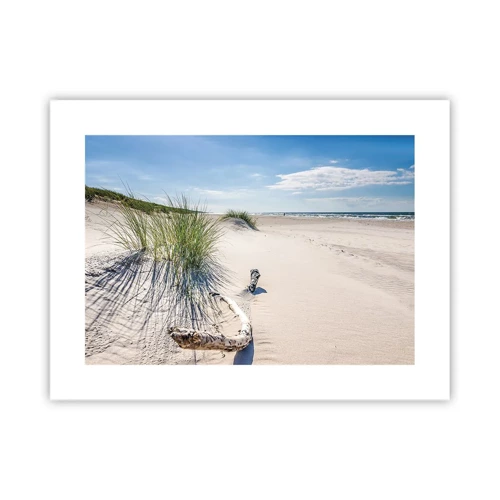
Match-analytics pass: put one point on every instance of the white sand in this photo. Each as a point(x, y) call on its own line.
point(332, 291)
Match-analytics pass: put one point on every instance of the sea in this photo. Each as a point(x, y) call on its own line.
point(348, 215)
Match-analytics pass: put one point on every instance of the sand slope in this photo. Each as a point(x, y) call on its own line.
point(330, 292)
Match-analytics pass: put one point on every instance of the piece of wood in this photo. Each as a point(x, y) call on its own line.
point(254, 278)
point(192, 339)
point(187, 338)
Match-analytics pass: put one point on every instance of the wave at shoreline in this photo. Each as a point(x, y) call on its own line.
point(346, 215)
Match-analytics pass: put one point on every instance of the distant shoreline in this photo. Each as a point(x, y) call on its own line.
point(396, 216)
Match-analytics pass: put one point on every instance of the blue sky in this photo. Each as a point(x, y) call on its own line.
point(260, 173)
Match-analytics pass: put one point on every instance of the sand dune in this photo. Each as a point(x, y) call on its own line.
point(332, 291)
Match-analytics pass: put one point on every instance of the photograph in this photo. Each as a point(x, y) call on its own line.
point(249, 249)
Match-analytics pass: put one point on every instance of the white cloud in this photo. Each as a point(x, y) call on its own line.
point(98, 180)
point(334, 161)
point(413, 166)
point(297, 192)
point(256, 176)
point(160, 199)
point(230, 194)
point(338, 178)
point(210, 192)
point(103, 164)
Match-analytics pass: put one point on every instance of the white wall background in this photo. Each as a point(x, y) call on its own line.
point(258, 49)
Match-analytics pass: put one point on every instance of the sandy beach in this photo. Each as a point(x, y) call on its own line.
point(331, 291)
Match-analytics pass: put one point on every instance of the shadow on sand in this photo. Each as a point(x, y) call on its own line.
point(148, 287)
point(135, 292)
point(245, 356)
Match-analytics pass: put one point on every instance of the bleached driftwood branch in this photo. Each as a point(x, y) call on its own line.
point(254, 278)
point(192, 339)
point(188, 338)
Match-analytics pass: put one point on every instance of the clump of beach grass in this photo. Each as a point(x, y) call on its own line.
point(193, 234)
point(243, 215)
point(187, 238)
point(132, 230)
point(182, 243)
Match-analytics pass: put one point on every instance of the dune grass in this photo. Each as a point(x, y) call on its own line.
point(131, 231)
point(92, 194)
point(183, 240)
point(243, 215)
point(192, 233)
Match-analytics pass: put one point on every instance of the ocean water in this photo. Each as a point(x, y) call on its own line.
point(348, 215)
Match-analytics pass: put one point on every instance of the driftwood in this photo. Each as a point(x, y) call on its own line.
point(191, 339)
point(254, 278)
point(188, 338)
